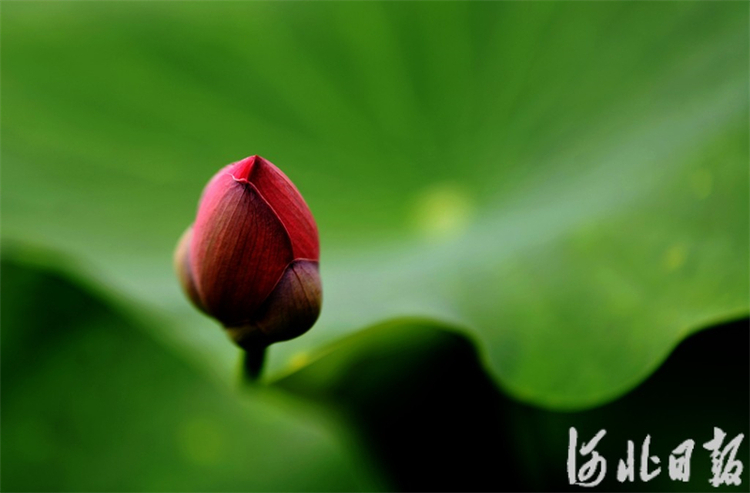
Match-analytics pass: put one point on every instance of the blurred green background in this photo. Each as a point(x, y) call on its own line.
point(560, 189)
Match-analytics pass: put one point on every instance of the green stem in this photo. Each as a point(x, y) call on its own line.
point(252, 365)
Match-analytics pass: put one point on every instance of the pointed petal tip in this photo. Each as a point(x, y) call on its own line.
point(289, 205)
point(241, 170)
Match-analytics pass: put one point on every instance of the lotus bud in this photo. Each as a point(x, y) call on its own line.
point(250, 260)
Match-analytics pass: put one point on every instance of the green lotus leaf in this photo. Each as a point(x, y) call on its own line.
point(95, 402)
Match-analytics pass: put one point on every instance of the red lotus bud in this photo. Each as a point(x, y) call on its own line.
point(250, 260)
